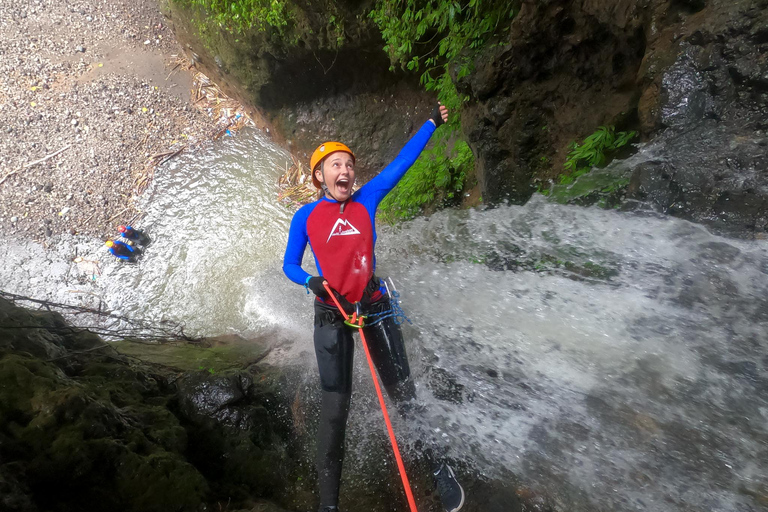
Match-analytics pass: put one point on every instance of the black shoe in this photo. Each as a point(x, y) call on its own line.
point(449, 489)
point(329, 509)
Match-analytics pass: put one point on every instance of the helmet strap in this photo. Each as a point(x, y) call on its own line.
point(323, 185)
point(328, 192)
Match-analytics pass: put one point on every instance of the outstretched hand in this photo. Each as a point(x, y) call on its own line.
point(439, 115)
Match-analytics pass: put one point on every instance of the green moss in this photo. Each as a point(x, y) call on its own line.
point(25, 384)
point(192, 357)
point(435, 179)
point(159, 482)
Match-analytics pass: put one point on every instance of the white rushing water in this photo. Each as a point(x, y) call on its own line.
point(613, 360)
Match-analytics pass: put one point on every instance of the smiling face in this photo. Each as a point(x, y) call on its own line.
point(338, 174)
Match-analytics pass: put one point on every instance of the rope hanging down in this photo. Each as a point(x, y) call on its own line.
point(358, 321)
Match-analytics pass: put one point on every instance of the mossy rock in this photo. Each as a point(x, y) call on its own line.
point(78, 450)
point(159, 482)
point(25, 384)
point(98, 431)
point(213, 355)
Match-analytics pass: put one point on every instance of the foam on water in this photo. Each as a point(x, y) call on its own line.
point(613, 358)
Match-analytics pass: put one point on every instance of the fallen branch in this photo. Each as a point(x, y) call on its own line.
point(119, 214)
point(170, 155)
point(27, 166)
point(8, 176)
point(172, 70)
point(65, 356)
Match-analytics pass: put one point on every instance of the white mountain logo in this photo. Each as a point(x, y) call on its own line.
point(341, 228)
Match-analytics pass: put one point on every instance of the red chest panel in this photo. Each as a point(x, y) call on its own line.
point(343, 246)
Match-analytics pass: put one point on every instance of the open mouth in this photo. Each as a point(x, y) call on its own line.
point(343, 185)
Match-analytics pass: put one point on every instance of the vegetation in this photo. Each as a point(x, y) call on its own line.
point(593, 151)
point(241, 15)
point(438, 175)
point(602, 188)
point(432, 35)
point(428, 37)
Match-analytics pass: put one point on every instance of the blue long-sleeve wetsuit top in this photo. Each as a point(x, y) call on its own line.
point(122, 250)
point(342, 240)
point(130, 233)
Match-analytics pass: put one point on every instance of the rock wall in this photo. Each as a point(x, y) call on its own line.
point(314, 90)
point(688, 74)
point(566, 68)
point(705, 93)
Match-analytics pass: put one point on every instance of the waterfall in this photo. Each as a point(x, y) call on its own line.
point(615, 360)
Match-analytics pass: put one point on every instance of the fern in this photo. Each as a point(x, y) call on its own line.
point(592, 152)
point(436, 176)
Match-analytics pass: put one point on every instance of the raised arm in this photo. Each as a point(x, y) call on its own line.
point(386, 180)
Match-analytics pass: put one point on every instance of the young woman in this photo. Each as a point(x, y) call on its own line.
point(340, 229)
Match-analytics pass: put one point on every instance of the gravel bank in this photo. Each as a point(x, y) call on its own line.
point(89, 92)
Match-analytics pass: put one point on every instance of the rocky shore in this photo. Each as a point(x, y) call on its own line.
point(92, 96)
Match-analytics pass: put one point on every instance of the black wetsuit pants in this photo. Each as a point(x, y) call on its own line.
point(334, 348)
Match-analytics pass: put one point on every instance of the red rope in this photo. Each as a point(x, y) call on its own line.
point(392, 439)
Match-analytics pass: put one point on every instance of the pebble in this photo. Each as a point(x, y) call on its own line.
point(47, 70)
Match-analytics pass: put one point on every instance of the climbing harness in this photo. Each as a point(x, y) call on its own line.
point(358, 321)
point(395, 311)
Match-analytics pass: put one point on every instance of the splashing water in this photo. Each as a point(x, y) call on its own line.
point(620, 358)
point(616, 361)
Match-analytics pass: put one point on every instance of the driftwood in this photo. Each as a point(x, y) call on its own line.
point(32, 164)
point(119, 214)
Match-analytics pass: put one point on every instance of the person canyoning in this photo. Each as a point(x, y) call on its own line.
point(122, 250)
point(340, 229)
point(134, 235)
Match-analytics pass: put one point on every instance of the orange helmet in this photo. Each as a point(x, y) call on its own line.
point(322, 151)
point(109, 243)
point(121, 228)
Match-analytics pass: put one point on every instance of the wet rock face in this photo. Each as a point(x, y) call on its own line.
point(712, 112)
point(565, 69)
point(217, 398)
point(691, 75)
point(711, 174)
